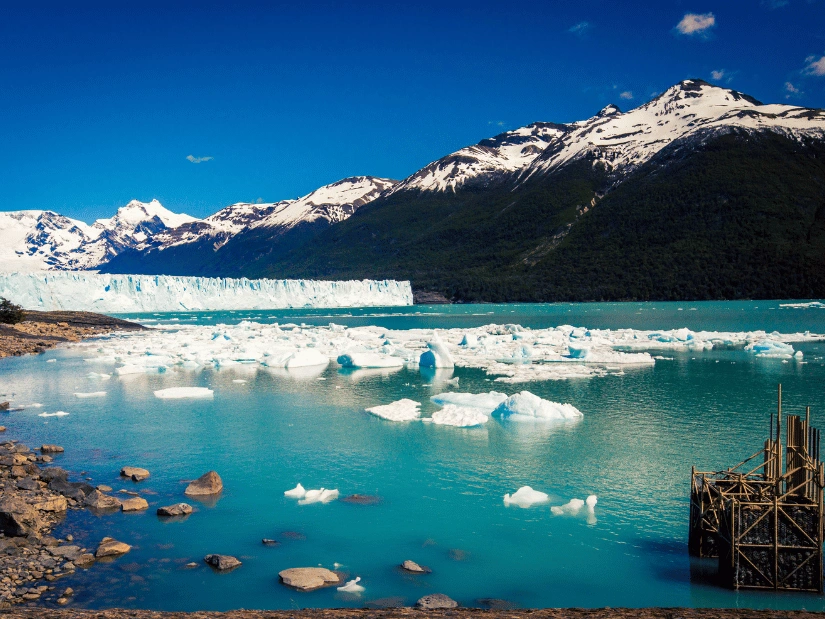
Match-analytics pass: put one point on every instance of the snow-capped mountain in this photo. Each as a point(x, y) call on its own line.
point(621, 141)
point(41, 240)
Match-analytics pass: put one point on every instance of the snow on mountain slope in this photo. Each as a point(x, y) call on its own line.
point(500, 155)
point(688, 110)
point(40, 240)
point(44, 240)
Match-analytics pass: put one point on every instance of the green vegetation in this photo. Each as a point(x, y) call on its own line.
point(10, 314)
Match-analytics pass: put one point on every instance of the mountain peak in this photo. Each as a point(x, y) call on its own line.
point(609, 110)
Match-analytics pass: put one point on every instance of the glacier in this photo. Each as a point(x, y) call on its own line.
point(86, 291)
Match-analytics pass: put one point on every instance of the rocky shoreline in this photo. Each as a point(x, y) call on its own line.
point(411, 613)
point(41, 331)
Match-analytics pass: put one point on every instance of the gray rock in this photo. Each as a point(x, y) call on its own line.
point(222, 562)
point(309, 578)
point(207, 484)
point(134, 473)
point(110, 547)
point(178, 509)
point(98, 500)
point(413, 567)
point(17, 518)
point(436, 601)
point(28, 483)
point(52, 473)
point(51, 449)
point(135, 504)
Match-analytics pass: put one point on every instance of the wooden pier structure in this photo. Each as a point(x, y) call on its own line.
point(763, 518)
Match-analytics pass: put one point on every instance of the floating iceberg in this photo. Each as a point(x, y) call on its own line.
point(318, 496)
point(297, 492)
point(438, 355)
point(771, 349)
point(482, 401)
point(459, 416)
point(83, 290)
point(525, 406)
point(574, 507)
point(402, 410)
point(352, 586)
point(177, 393)
point(55, 414)
point(368, 360)
point(305, 357)
point(92, 394)
point(526, 497)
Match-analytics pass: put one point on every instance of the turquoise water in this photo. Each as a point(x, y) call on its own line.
point(441, 488)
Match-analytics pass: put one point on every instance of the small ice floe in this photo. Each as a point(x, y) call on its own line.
point(297, 492)
point(368, 360)
point(51, 360)
point(402, 410)
point(526, 406)
point(55, 414)
point(576, 507)
point(770, 349)
point(352, 586)
point(318, 496)
point(482, 401)
point(177, 393)
point(470, 340)
point(438, 356)
point(526, 497)
point(459, 416)
point(98, 376)
point(90, 394)
point(239, 381)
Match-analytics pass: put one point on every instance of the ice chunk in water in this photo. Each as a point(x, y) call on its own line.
point(318, 496)
point(459, 416)
point(176, 393)
point(771, 349)
point(402, 410)
point(571, 508)
point(55, 414)
point(483, 401)
point(469, 340)
point(369, 360)
point(352, 586)
point(438, 356)
point(91, 394)
point(526, 497)
point(525, 406)
point(297, 492)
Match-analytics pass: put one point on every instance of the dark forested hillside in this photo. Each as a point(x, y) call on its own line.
point(738, 216)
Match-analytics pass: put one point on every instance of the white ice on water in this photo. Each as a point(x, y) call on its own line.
point(368, 360)
point(318, 496)
point(459, 416)
point(178, 393)
point(352, 586)
point(402, 410)
point(482, 401)
point(771, 349)
point(298, 492)
point(87, 291)
point(90, 394)
point(55, 414)
point(526, 497)
point(526, 406)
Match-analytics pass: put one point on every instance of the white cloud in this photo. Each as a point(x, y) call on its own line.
point(696, 23)
point(194, 159)
point(626, 95)
point(815, 67)
point(717, 75)
point(580, 28)
point(791, 90)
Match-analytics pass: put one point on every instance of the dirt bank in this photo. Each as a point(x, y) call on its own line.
point(43, 330)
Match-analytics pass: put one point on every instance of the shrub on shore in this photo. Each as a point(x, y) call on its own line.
point(10, 313)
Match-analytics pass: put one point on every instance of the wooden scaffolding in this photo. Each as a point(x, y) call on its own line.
point(763, 518)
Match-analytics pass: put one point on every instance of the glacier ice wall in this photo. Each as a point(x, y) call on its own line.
point(86, 291)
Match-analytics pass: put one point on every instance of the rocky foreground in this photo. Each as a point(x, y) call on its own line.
point(40, 331)
point(411, 613)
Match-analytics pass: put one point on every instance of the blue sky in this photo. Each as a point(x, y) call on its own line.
point(103, 102)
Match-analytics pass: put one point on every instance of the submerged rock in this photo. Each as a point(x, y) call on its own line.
point(134, 473)
point(361, 499)
point(178, 509)
point(413, 567)
point(269, 542)
point(309, 578)
point(110, 547)
point(436, 601)
point(207, 484)
point(222, 562)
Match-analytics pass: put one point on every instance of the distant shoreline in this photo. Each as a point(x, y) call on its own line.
point(412, 613)
point(41, 331)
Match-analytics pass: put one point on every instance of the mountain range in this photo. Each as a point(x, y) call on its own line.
point(701, 193)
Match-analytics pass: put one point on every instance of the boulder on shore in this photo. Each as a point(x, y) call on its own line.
point(135, 504)
point(309, 578)
point(97, 500)
point(51, 449)
point(18, 518)
point(207, 484)
point(222, 562)
point(178, 509)
point(436, 601)
point(134, 473)
point(110, 547)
